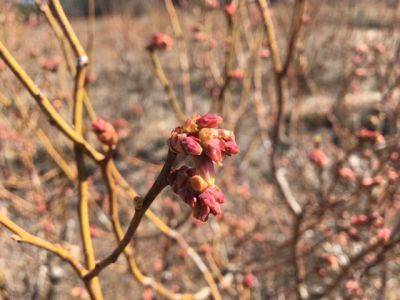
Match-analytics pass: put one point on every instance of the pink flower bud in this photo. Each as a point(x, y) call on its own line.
point(367, 182)
point(206, 170)
point(205, 249)
point(160, 41)
point(347, 174)
point(380, 48)
point(191, 145)
point(96, 232)
point(147, 294)
point(198, 193)
point(394, 156)
point(249, 281)
point(226, 135)
point(99, 126)
point(213, 150)
point(393, 175)
point(353, 287)
point(190, 125)
point(371, 135)
point(208, 198)
point(264, 53)
point(384, 235)
point(175, 142)
point(378, 222)
point(230, 147)
point(359, 220)
point(158, 265)
point(201, 211)
point(217, 193)
point(332, 261)
point(199, 36)
point(105, 132)
point(319, 158)
point(236, 75)
point(209, 121)
point(230, 9)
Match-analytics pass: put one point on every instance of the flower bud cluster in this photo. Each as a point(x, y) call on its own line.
point(201, 138)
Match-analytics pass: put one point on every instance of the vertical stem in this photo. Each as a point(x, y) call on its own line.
point(280, 71)
point(183, 56)
point(279, 84)
point(67, 28)
point(229, 56)
point(298, 12)
point(90, 33)
point(93, 284)
point(83, 188)
point(295, 256)
point(173, 100)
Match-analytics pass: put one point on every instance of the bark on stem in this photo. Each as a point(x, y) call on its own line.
point(160, 183)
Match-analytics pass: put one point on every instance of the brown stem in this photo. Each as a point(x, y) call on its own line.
point(160, 183)
point(229, 55)
point(107, 169)
point(354, 260)
point(300, 7)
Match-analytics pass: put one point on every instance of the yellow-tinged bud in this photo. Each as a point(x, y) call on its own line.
point(190, 125)
point(197, 183)
point(207, 134)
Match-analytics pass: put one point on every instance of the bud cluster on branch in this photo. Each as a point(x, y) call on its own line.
point(201, 138)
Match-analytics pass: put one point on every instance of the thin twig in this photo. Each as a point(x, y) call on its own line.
point(46, 105)
point(119, 234)
point(159, 72)
point(183, 55)
point(157, 187)
point(27, 238)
